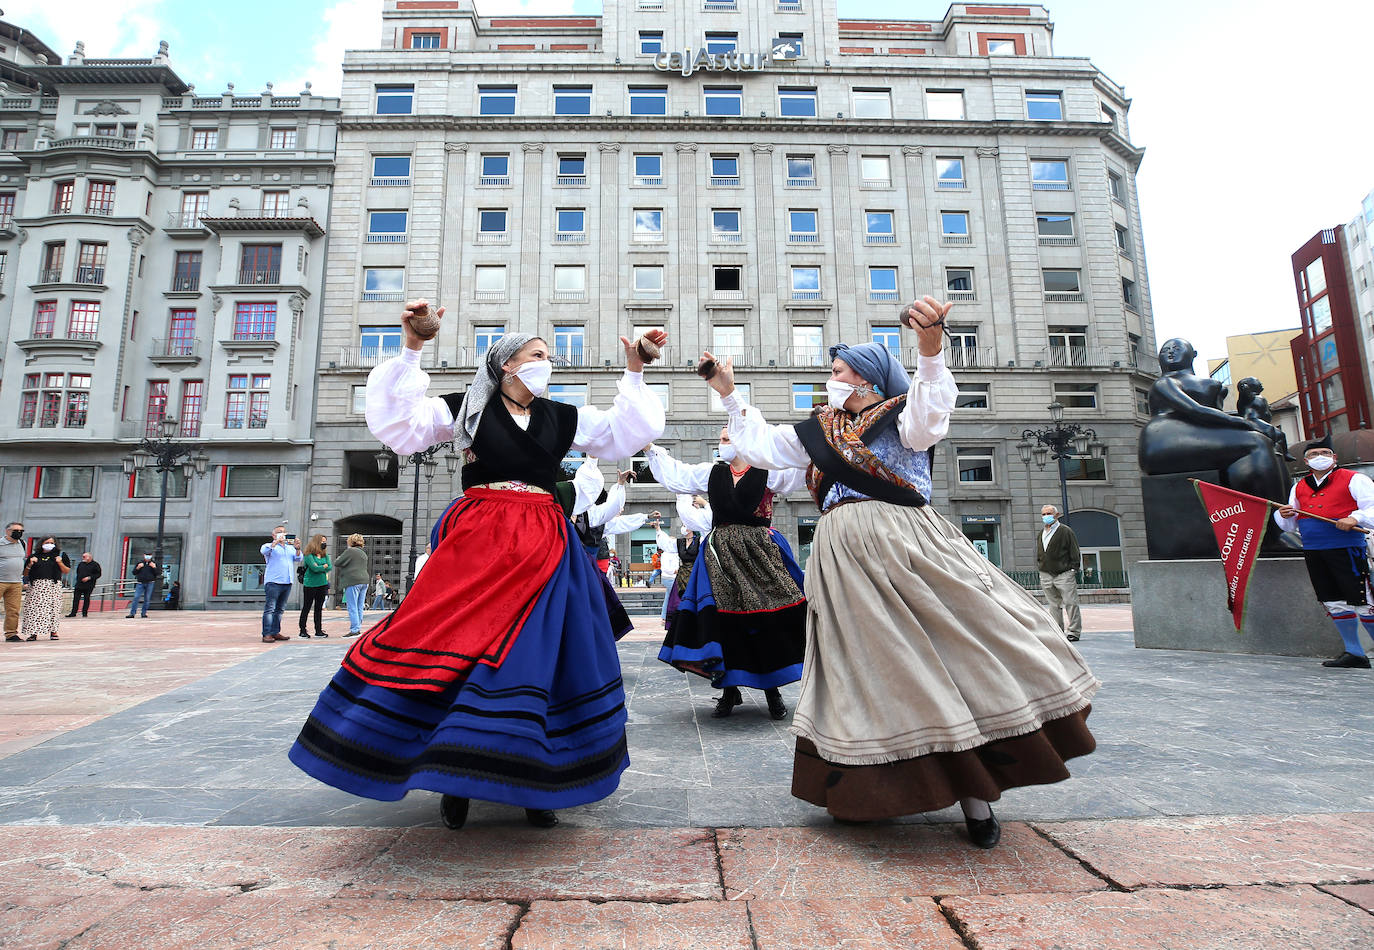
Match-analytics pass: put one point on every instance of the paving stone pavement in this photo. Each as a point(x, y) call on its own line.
point(1228, 805)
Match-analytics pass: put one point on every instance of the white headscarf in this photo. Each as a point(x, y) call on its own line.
point(484, 385)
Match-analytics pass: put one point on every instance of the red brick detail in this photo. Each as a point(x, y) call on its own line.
point(856, 49)
point(515, 46)
point(427, 5)
point(906, 51)
point(997, 11)
point(506, 23)
point(407, 31)
point(886, 26)
point(1018, 38)
point(567, 46)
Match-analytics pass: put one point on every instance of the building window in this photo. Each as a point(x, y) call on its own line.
point(808, 346)
point(379, 343)
point(963, 348)
point(484, 338)
point(569, 343)
point(875, 171)
point(192, 407)
point(725, 225)
point(391, 170)
point(28, 401)
point(44, 319)
point(725, 171)
point(12, 139)
point(204, 139)
point(1320, 315)
point(1142, 401)
point(491, 224)
point(52, 391)
point(949, 172)
point(572, 169)
point(260, 264)
point(386, 227)
point(878, 228)
point(282, 138)
point(890, 337)
point(570, 394)
point(1001, 47)
point(1116, 187)
point(806, 283)
point(51, 271)
point(66, 481)
point(78, 400)
point(882, 284)
point(1085, 470)
point(193, 205)
point(648, 169)
point(155, 409)
point(648, 100)
point(797, 101)
point(241, 566)
point(395, 100)
point(724, 100)
point(567, 100)
point(1123, 241)
point(972, 396)
point(276, 204)
point(6, 209)
point(648, 280)
point(808, 396)
point(495, 170)
point(721, 43)
point(650, 42)
point(954, 227)
point(83, 323)
point(100, 198)
point(944, 103)
point(727, 340)
point(63, 193)
point(1044, 106)
point(360, 469)
point(1128, 293)
point(496, 100)
point(1055, 229)
point(872, 104)
point(1061, 281)
point(802, 226)
point(648, 224)
point(1068, 346)
point(744, 390)
point(570, 225)
point(796, 42)
point(490, 282)
point(50, 404)
point(726, 281)
point(801, 171)
point(252, 481)
point(186, 271)
point(569, 282)
point(255, 321)
point(247, 400)
point(426, 41)
point(384, 283)
point(1049, 175)
point(181, 333)
point(959, 282)
point(1076, 395)
point(975, 465)
point(147, 483)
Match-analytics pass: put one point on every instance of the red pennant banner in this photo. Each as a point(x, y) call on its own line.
point(1239, 522)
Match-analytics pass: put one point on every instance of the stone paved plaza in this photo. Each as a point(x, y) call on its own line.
point(148, 801)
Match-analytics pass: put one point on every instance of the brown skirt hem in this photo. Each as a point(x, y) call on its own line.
point(938, 780)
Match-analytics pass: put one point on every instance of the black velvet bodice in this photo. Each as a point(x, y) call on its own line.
point(504, 452)
point(737, 502)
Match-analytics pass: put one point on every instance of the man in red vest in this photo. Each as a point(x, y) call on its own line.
point(1335, 553)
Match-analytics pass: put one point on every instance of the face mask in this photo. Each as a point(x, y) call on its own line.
point(147, 557)
point(1048, 519)
point(838, 392)
point(17, 533)
point(727, 452)
point(535, 375)
point(1320, 463)
point(49, 547)
point(279, 537)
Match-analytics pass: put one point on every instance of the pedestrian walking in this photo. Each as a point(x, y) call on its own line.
point(1336, 554)
point(497, 678)
point(315, 583)
point(350, 572)
point(12, 563)
point(1056, 554)
point(422, 560)
point(43, 603)
point(379, 593)
point(655, 567)
point(145, 574)
point(87, 573)
point(931, 677)
point(282, 554)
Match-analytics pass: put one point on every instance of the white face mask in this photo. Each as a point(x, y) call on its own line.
point(49, 547)
point(727, 452)
point(535, 375)
point(1320, 463)
point(839, 392)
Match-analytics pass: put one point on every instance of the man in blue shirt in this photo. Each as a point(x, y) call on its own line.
point(281, 556)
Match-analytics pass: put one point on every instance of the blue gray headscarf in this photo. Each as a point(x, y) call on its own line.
point(484, 386)
point(874, 362)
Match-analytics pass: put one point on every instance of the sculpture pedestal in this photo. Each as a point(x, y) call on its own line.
point(1181, 605)
point(1176, 525)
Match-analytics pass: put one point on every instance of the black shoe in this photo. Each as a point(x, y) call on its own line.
point(776, 707)
point(321, 633)
point(1348, 661)
point(454, 811)
point(727, 702)
point(72, 614)
point(541, 817)
point(986, 832)
point(303, 635)
point(1072, 638)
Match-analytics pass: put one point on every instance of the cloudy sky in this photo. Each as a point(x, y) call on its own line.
point(1254, 113)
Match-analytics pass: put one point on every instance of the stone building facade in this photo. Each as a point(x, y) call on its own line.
point(162, 254)
point(763, 178)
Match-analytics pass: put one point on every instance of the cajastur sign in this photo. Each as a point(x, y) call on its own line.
point(689, 61)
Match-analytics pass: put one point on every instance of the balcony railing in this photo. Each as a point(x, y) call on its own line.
point(573, 356)
point(880, 239)
point(807, 356)
point(390, 182)
point(383, 295)
point(242, 335)
point(954, 240)
point(102, 210)
point(649, 181)
point(950, 184)
point(1049, 185)
point(970, 357)
point(385, 239)
point(185, 219)
point(1064, 296)
point(177, 347)
point(186, 284)
point(724, 181)
point(803, 237)
point(961, 295)
point(82, 334)
point(1057, 240)
point(494, 181)
point(50, 275)
point(488, 295)
point(570, 295)
point(364, 357)
point(727, 237)
point(880, 296)
point(1076, 356)
point(493, 237)
point(806, 295)
point(801, 182)
point(90, 274)
point(870, 183)
point(570, 237)
point(93, 141)
point(572, 181)
point(41, 333)
point(727, 295)
point(6, 222)
point(260, 275)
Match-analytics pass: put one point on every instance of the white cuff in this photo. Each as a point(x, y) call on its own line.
point(411, 357)
point(633, 377)
point(732, 403)
point(930, 368)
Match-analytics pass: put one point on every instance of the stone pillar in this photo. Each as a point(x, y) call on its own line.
point(845, 288)
point(765, 239)
point(924, 280)
point(1001, 305)
point(693, 335)
point(609, 270)
point(453, 330)
point(527, 301)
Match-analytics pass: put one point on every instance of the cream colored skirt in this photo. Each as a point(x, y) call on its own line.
point(917, 644)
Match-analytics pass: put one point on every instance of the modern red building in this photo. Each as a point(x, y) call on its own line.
point(1328, 355)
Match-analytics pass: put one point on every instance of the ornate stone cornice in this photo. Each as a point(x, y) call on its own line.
point(686, 146)
point(532, 147)
point(913, 149)
point(455, 147)
point(986, 151)
point(609, 146)
point(837, 149)
point(761, 147)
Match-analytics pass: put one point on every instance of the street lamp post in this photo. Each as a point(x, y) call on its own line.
point(1059, 441)
point(165, 456)
point(426, 459)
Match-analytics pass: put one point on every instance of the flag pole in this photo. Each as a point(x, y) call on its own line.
point(1276, 504)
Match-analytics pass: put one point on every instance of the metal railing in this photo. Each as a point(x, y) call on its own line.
point(800, 182)
point(952, 240)
point(390, 182)
point(950, 184)
point(260, 275)
point(1049, 185)
point(184, 219)
point(1049, 240)
point(494, 181)
point(970, 357)
point(724, 181)
point(90, 274)
point(875, 183)
point(93, 141)
point(100, 210)
point(570, 237)
point(50, 275)
point(880, 239)
point(806, 356)
point(1064, 296)
point(803, 237)
point(177, 347)
point(254, 336)
point(572, 181)
point(649, 181)
point(391, 238)
point(185, 284)
point(727, 237)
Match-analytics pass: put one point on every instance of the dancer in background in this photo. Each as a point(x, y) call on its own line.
point(497, 678)
point(596, 517)
point(742, 619)
point(931, 677)
point(695, 515)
